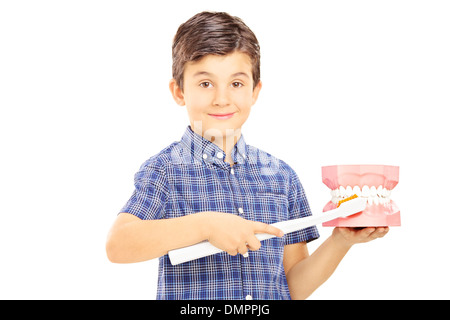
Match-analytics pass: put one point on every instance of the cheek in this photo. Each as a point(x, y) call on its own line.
point(196, 104)
point(243, 102)
point(244, 115)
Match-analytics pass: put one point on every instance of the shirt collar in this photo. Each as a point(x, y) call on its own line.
point(206, 151)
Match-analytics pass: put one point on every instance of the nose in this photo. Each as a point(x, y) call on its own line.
point(221, 98)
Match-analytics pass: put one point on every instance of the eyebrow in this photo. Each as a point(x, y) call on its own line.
point(202, 73)
point(234, 75)
point(238, 74)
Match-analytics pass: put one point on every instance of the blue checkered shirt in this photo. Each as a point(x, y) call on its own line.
point(191, 176)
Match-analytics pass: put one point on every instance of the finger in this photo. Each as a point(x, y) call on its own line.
point(232, 252)
point(243, 250)
point(381, 232)
point(260, 227)
point(253, 243)
point(368, 231)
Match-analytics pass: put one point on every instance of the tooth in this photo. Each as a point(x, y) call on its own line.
point(365, 191)
point(370, 201)
point(388, 193)
point(342, 192)
point(357, 191)
point(380, 191)
point(348, 191)
point(373, 191)
point(376, 200)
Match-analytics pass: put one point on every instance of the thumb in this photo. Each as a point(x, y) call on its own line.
point(260, 227)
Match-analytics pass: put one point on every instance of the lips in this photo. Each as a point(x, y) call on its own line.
point(373, 182)
point(221, 116)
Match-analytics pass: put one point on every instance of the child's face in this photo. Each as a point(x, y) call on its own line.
point(218, 93)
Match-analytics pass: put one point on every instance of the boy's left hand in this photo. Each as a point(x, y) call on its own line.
point(351, 236)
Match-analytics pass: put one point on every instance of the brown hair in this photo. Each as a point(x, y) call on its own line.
point(213, 33)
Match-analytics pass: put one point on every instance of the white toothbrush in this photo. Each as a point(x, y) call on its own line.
point(203, 249)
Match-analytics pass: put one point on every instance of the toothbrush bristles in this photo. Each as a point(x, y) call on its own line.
point(346, 199)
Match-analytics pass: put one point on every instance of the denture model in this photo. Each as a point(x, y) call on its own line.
point(372, 182)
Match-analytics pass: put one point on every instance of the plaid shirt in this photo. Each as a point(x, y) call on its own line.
point(191, 176)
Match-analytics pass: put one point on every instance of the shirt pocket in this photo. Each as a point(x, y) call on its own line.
point(270, 206)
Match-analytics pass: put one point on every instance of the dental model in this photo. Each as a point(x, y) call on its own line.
point(371, 182)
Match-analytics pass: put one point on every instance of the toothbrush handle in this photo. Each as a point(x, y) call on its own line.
point(202, 249)
point(205, 248)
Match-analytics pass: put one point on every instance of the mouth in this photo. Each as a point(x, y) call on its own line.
point(374, 195)
point(221, 116)
point(372, 182)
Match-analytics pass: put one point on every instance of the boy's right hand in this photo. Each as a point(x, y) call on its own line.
point(234, 234)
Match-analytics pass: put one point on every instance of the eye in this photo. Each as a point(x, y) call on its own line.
point(236, 84)
point(206, 84)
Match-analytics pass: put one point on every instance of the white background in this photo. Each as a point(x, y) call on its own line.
point(84, 101)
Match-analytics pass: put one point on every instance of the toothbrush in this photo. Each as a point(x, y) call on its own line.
point(346, 207)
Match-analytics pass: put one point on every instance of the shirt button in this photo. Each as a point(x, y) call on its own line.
point(232, 171)
point(240, 210)
point(219, 155)
point(248, 297)
point(205, 156)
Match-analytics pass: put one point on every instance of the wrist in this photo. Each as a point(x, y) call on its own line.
point(341, 241)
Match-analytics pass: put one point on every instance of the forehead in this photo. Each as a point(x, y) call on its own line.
point(216, 65)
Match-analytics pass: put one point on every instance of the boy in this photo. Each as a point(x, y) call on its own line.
point(212, 186)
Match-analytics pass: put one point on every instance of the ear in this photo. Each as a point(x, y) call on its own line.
point(177, 93)
point(256, 91)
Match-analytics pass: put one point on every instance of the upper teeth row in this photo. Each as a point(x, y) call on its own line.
point(373, 194)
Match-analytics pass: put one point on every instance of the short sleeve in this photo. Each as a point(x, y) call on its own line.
point(150, 195)
point(299, 208)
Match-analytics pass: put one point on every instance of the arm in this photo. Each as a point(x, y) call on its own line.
point(306, 273)
point(132, 239)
